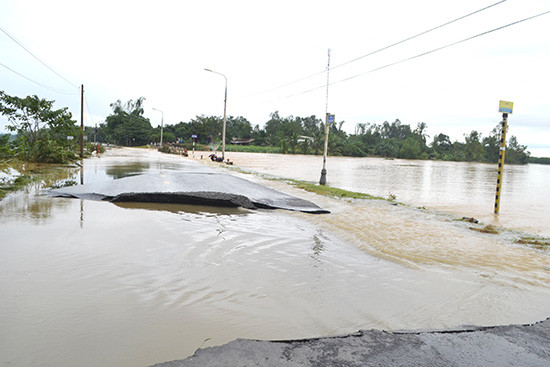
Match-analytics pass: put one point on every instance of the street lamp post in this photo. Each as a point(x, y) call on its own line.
point(224, 112)
point(161, 125)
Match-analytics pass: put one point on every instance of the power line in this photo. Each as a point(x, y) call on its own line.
point(379, 50)
point(418, 35)
point(419, 55)
point(36, 57)
point(56, 90)
point(88, 109)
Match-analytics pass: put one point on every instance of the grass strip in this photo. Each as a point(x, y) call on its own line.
point(536, 241)
point(487, 229)
point(324, 190)
point(334, 191)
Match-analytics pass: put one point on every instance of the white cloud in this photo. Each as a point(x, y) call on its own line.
point(127, 49)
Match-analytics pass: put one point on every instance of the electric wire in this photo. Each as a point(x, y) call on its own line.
point(56, 90)
point(419, 55)
point(88, 109)
point(36, 57)
point(379, 50)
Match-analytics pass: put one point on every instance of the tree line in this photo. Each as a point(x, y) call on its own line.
point(42, 135)
point(305, 135)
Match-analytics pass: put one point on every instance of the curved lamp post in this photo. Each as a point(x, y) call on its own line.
point(224, 111)
point(161, 125)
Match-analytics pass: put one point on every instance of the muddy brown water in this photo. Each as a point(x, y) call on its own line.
point(88, 283)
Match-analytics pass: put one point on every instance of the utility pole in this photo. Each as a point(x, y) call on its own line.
point(323, 179)
point(224, 112)
point(161, 124)
point(505, 108)
point(82, 121)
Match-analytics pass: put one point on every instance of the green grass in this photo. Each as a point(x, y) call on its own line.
point(252, 149)
point(334, 191)
point(487, 229)
point(329, 191)
point(318, 189)
point(542, 243)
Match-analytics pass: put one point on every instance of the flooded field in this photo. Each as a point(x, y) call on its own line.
point(465, 189)
point(88, 283)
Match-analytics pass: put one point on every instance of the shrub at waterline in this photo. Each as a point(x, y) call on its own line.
point(41, 131)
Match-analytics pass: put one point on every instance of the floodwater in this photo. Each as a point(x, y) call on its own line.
point(88, 283)
point(464, 189)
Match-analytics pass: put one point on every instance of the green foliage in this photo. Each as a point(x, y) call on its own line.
point(127, 126)
point(410, 149)
point(8, 186)
point(98, 148)
point(304, 145)
point(539, 160)
point(252, 149)
point(286, 135)
point(333, 191)
point(516, 153)
point(6, 147)
point(42, 131)
point(474, 149)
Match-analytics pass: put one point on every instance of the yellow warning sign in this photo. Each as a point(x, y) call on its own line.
point(506, 107)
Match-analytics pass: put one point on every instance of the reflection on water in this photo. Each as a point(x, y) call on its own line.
point(23, 205)
point(92, 283)
point(132, 169)
point(184, 208)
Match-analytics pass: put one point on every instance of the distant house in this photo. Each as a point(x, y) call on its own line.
point(303, 138)
point(241, 141)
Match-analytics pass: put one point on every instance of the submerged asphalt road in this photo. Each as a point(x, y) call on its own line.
point(202, 186)
point(502, 346)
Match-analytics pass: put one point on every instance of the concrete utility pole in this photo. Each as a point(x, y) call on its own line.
point(161, 125)
point(323, 179)
point(82, 121)
point(224, 112)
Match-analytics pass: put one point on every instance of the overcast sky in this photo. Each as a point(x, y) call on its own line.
point(159, 49)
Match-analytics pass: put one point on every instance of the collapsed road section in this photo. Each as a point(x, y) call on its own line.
point(193, 187)
point(503, 346)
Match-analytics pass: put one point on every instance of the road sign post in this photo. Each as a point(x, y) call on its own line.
point(506, 108)
point(194, 137)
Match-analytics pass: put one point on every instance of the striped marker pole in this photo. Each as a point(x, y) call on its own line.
point(501, 160)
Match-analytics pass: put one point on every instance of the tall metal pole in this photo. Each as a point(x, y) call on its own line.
point(224, 120)
point(161, 124)
point(224, 112)
point(161, 127)
point(501, 160)
point(323, 179)
point(82, 121)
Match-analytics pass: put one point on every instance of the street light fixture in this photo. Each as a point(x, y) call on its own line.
point(224, 112)
point(161, 125)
